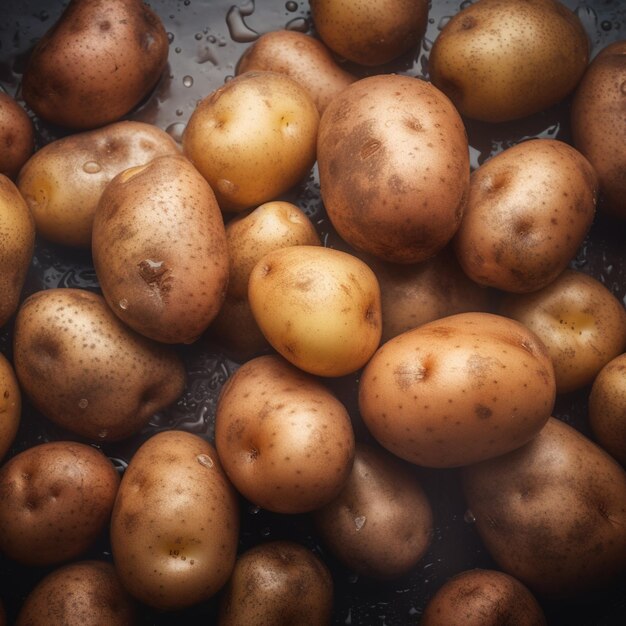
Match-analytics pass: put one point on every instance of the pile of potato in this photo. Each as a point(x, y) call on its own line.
point(427, 326)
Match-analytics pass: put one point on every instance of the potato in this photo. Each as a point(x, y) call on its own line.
point(63, 181)
point(482, 597)
point(253, 139)
point(285, 441)
point(458, 390)
point(528, 212)
point(381, 523)
point(175, 523)
point(17, 136)
point(303, 58)
point(17, 242)
point(86, 371)
point(394, 167)
point(55, 499)
point(581, 323)
point(87, 593)
point(607, 408)
point(500, 60)
point(318, 307)
point(553, 512)
point(159, 250)
point(96, 63)
point(370, 32)
point(599, 126)
point(277, 583)
point(10, 405)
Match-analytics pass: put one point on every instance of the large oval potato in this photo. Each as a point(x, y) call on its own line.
point(17, 136)
point(10, 405)
point(552, 513)
point(159, 250)
point(394, 167)
point(458, 390)
point(55, 499)
point(175, 523)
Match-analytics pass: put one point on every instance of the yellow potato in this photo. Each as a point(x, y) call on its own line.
point(17, 136)
point(10, 405)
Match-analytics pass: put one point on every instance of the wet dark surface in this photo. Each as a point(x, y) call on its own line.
point(207, 38)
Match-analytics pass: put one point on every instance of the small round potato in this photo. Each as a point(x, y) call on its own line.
point(276, 584)
point(55, 499)
point(253, 138)
point(10, 405)
point(581, 323)
point(17, 136)
point(87, 593)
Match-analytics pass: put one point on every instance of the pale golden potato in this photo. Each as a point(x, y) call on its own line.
point(17, 136)
point(10, 405)
point(63, 181)
point(581, 323)
point(528, 212)
point(175, 523)
point(318, 307)
point(253, 138)
point(501, 60)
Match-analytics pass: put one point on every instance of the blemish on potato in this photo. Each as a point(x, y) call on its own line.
point(482, 411)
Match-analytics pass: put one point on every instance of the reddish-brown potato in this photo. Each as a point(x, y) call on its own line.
point(10, 405)
point(17, 136)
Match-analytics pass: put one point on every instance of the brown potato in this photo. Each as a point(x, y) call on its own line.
point(481, 597)
point(159, 250)
point(275, 584)
point(528, 211)
point(284, 439)
point(501, 60)
point(10, 405)
point(63, 181)
point(87, 593)
point(458, 390)
point(381, 523)
point(175, 523)
point(552, 513)
point(96, 63)
point(394, 167)
point(55, 499)
point(581, 323)
point(88, 372)
point(17, 136)
point(599, 126)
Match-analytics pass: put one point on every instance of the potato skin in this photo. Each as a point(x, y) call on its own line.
point(96, 63)
point(394, 167)
point(598, 125)
point(63, 181)
point(552, 513)
point(481, 597)
point(88, 372)
point(458, 390)
point(55, 499)
point(10, 405)
point(528, 211)
point(501, 60)
point(175, 524)
point(284, 439)
point(159, 250)
point(86, 593)
point(279, 583)
point(17, 136)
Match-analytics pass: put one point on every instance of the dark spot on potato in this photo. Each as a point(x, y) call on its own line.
point(468, 22)
point(369, 148)
point(406, 374)
point(104, 25)
point(482, 411)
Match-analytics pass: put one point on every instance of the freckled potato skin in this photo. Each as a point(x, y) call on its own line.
point(55, 499)
point(17, 242)
point(483, 598)
point(599, 127)
point(279, 583)
point(10, 405)
point(457, 390)
point(63, 181)
point(175, 523)
point(500, 60)
point(159, 250)
point(381, 523)
point(552, 513)
point(87, 593)
point(96, 63)
point(285, 441)
point(581, 323)
point(394, 167)
point(370, 32)
point(17, 136)
point(529, 210)
point(318, 307)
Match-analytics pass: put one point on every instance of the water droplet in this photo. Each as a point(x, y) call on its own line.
point(175, 131)
point(238, 29)
point(291, 6)
point(187, 3)
point(177, 50)
point(443, 21)
point(187, 81)
point(103, 433)
point(44, 15)
point(83, 403)
point(299, 24)
point(170, 37)
point(211, 39)
point(266, 532)
point(465, 4)
point(179, 112)
point(205, 460)
point(205, 55)
point(353, 578)
point(359, 522)
point(226, 186)
point(123, 304)
point(198, 36)
point(587, 16)
point(469, 517)
point(606, 25)
point(254, 509)
point(91, 167)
